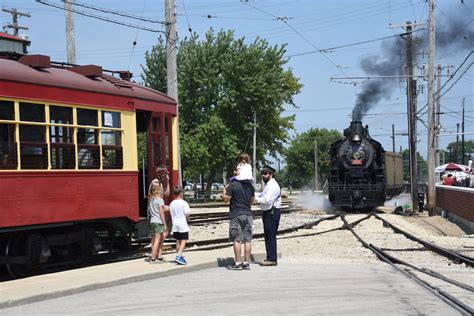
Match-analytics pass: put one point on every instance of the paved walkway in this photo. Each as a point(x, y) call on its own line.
point(134, 287)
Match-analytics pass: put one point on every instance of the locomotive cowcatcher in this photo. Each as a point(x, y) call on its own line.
point(362, 174)
point(71, 182)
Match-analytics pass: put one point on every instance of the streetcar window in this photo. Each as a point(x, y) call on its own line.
point(87, 136)
point(7, 111)
point(86, 117)
point(111, 119)
point(33, 147)
point(111, 138)
point(88, 150)
point(8, 151)
point(32, 112)
point(112, 155)
point(61, 138)
point(60, 114)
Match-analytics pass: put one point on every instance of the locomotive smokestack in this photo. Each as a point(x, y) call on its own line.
point(355, 129)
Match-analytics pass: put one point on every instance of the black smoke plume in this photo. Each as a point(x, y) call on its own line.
point(454, 35)
point(377, 89)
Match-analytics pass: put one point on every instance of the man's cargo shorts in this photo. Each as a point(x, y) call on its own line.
point(240, 228)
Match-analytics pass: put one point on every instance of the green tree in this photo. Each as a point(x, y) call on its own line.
point(300, 156)
point(455, 151)
point(222, 82)
point(422, 167)
point(154, 72)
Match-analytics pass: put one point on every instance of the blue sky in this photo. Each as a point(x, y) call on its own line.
point(319, 24)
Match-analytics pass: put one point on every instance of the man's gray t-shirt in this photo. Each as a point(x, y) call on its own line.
point(241, 194)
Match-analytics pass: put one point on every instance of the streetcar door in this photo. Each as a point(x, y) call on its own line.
point(143, 119)
point(159, 144)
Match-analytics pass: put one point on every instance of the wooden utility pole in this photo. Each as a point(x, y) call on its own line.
point(463, 153)
point(411, 110)
point(254, 147)
point(457, 143)
point(15, 14)
point(393, 137)
point(316, 181)
point(438, 113)
point(70, 40)
point(171, 69)
point(431, 200)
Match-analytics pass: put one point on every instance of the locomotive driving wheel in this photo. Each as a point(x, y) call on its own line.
point(17, 249)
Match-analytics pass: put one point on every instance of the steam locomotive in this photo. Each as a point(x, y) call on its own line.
point(362, 174)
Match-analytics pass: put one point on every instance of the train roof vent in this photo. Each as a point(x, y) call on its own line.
point(87, 70)
point(125, 75)
point(35, 61)
point(118, 82)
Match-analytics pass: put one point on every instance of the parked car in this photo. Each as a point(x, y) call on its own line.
point(217, 186)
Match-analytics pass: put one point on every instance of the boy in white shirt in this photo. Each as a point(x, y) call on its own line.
point(179, 210)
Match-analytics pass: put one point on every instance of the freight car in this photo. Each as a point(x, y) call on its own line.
point(71, 184)
point(362, 174)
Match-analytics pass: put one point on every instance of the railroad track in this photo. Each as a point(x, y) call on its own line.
point(406, 268)
point(409, 269)
point(205, 218)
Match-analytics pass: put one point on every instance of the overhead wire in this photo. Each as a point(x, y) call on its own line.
point(135, 41)
point(285, 20)
point(331, 49)
point(437, 96)
point(345, 15)
point(187, 19)
point(94, 16)
point(88, 6)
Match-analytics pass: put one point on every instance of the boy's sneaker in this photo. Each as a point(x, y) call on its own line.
point(245, 266)
point(236, 266)
point(180, 260)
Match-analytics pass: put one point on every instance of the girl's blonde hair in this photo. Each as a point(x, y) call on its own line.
point(243, 157)
point(155, 191)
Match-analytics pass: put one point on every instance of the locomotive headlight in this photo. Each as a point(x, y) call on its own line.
point(356, 138)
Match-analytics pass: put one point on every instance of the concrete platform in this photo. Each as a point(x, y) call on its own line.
point(289, 288)
point(59, 284)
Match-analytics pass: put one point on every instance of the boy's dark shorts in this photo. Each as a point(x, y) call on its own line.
point(181, 236)
point(240, 228)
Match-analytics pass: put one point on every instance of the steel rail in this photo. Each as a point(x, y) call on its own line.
point(280, 232)
point(455, 257)
point(343, 227)
point(225, 216)
point(451, 301)
point(424, 270)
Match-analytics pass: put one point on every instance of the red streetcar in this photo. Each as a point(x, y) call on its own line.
point(72, 180)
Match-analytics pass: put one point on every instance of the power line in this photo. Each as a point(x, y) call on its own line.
point(346, 17)
point(285, 20)
point(90, 15)
point(331, 49)
point(187, 19)
point(135, 41)
point(452, 76)
point(88, 6)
